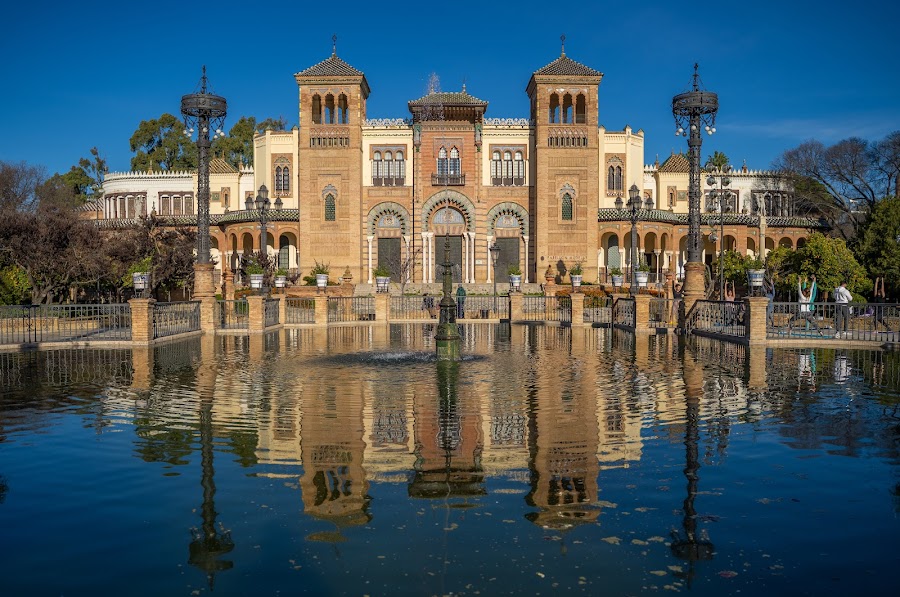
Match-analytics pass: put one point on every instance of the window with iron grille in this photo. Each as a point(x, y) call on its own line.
point(329, 209)
point(567, 207)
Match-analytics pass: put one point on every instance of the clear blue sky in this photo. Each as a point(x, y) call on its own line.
point(78, 75)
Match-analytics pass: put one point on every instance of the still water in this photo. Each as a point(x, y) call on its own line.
point(347, 461)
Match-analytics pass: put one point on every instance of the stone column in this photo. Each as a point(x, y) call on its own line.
point(208, 315)
point(577, 309)
point(321, 305)
point(369, 240)
point(756, 319)
point(490, 263)
point(203, 280)
point(382, 307)
point(515, 307)
point(525, 279)
point(694, 284)
point(141, 320)
point(282, 309)
point(256, 314)
point(642, 313)
point(228, 275)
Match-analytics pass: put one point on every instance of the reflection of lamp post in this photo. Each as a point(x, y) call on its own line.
point(719, 200)
point(694, 109)
point(495, 255)
point(634, 205)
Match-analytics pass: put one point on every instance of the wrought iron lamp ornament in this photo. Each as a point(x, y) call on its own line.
point(207, 112)
point(694, 110)
point(495, 254)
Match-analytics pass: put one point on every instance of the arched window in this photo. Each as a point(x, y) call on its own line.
point(286, 179)
point(567, 109)
point(442, 165)
point(518, 169)
point(611, 179)
point(277, 179)
point(580, 110)
point(329, 109)
point(619, 186)
point(342, 109)
point(188, 205)
point(454, 162)
point(317, 109)
point(567, 207)
point(377, 169)
point(400, 165)
point(165, 205)
point(389, 168)
point(329, 208)
point(496, 172)
point(554, 109)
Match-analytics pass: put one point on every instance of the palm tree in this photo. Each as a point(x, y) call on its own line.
point(717, 161)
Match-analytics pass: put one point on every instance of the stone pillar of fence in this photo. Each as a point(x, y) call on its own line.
point(282, 309)
point(756, 319)
point(141, 320)
point(382, 307)
point(208, 315)
point(577, 309)
point(516, 301)
point(642, 313)
point(228, 286)
point(256, 314)
point(321, 303)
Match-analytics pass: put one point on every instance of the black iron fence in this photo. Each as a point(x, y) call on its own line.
point(175, 318)
point(232, 314)
point(720, 317)
point(24, 324)
point(623, 313)
point(547, 308)
point(343, 309)
point(867, 321)
point(300, 310)
point(271, 312)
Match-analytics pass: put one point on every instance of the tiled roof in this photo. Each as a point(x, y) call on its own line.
point(448, 98)
point(234, 217)
point(220, 166)
point(677, 162)
point(330, 67)
point(566, 66)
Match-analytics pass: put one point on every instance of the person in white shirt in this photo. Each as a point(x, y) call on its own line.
point(842, 297)
point(805, 313)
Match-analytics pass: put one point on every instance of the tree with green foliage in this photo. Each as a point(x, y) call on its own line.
point(14, 288)
point(86, 178)
point(734, 266)
point(829, 259)
point(160, 144)
point(716, 161)
point(879, 245)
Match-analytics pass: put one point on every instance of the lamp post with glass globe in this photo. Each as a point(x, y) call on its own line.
point(720, 200)
point(694, 111)
point(207, 112)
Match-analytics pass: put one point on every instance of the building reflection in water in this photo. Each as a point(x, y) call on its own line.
point(448, 441)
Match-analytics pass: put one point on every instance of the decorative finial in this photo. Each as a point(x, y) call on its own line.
point(562, 38)
point(203, 81)
point(464, 85)
point(334, 45)
point(696, 77)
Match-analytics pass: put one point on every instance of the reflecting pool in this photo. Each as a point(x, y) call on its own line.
point(348, 461)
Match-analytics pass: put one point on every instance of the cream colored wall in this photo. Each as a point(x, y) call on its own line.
point(506, 135)
point(390, 135)
point(630, 144)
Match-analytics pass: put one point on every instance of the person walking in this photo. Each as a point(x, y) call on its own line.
point(842, 298)
point(460, 302)
point(769, 286)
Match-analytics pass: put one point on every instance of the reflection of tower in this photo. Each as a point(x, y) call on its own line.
point(690, 544)
point(448, 442)
point(563, 448)
point(209, 543)
point(333, 484)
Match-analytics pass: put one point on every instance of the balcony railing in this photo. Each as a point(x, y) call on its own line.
point(449, 180)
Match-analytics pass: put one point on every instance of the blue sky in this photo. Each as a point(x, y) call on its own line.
point(79, 75)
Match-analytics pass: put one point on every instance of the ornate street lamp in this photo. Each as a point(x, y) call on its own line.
point(694, 111)
point(720, 200)
point(495, 254)
point(634, 206)
point(207, 112)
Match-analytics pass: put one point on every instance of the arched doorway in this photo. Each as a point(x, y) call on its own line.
point(388, 242)
point(507, 228)
point(448, 218)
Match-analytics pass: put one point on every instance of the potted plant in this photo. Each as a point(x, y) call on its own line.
point(642, 274)
point(575, 274)
point(280, 277)
point(382, 279)
point(256, 273)
point(756, 271)
point(515, 276)
point(618, 278)
point(320, 273)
